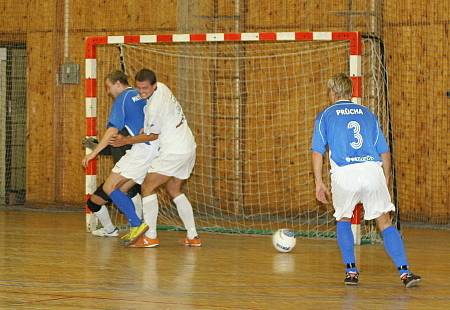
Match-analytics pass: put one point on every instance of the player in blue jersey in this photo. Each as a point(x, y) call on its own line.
point(360, 169)
point(126, 113)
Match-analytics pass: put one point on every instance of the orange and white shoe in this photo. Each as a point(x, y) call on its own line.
point(193, 242)
point(144, 242)
point(135, 233)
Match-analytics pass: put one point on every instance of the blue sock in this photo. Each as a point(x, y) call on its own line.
point(346, 244)
point(124, 203)
point(393, 244)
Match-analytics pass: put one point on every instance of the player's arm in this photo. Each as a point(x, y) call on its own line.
point(386, 159)
point(319, 143)
point(322, 192)
point(382, 148)
point(110, 132)
point(119, 140)
point(150, 132)
point(317, 162)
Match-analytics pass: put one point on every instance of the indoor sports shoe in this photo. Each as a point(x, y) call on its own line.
point(351, 278)
point(145, 242)
point(193, 242)
point(135, 233)
point(410, 280)
point(126, 237)
point(101, 232)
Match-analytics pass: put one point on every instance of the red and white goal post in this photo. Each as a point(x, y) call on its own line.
point(91, 44)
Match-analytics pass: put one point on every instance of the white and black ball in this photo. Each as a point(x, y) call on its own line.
point(284, 240)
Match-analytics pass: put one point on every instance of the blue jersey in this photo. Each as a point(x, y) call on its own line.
point(128, 112)
point(351, 132)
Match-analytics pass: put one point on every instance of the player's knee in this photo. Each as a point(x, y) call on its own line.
point(173, 190)
point(145, 191)
point(98, 200)
point(110, 185)
point(383, 221)
point(102, 193)
point(136, 189)
point(93, 206)
point(147, 188)
point(344, 219)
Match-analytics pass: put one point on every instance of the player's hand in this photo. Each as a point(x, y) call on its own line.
point(322, 193)
point(87, 159)
point(118, 140)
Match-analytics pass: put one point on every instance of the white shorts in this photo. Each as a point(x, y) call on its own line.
point(136, 161)
point(175, 165)
point(362, 182)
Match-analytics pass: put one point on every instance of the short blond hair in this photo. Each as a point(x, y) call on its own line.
point(341, 85)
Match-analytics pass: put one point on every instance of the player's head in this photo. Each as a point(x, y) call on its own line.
point(145, 82)
point(340, 87)
point(116, 82)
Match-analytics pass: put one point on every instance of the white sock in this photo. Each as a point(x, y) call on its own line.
point(186, 214)
point(137, 201)
point(150, 210)
point(105, 220)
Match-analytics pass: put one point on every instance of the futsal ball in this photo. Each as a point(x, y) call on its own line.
point(284, 240)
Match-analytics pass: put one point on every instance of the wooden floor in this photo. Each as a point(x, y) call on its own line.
point(47, 261)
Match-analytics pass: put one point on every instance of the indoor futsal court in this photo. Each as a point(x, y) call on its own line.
point(247, 106)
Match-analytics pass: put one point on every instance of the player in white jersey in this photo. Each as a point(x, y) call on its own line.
point(164, 117)
point(360, 168)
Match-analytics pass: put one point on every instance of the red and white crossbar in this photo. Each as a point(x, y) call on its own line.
point(91, 43)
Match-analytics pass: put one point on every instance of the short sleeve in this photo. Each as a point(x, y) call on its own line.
point(380, 141)
point(117, 115)
point(319, 138)
point(152, 118)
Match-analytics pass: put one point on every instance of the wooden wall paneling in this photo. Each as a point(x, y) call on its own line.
point(40, 148)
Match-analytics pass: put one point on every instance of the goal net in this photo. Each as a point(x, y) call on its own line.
point(251, 105)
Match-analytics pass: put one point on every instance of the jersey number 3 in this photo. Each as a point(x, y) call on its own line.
point(356, 134)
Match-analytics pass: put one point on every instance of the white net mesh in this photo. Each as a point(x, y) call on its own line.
point(13, 121)
point(251, 107)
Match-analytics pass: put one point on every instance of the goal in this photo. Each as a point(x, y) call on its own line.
point(250, 100)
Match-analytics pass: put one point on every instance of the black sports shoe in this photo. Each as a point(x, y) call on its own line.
point(351, 278)
point(410, 280)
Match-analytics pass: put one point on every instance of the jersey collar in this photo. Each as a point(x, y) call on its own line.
point(344, 101)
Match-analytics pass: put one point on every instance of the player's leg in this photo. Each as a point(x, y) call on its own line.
point(135, 194)
point(117, 153)
point(393, 244)
point(132, 189)
point(345, 197)
point(377, 203)
point(184, 208)
point(96, 203)
point(150, 204)
point(161, 170)
point(346, 245)
point(134, 166)
point(123, 202)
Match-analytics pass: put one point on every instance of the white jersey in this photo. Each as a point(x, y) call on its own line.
point(164, 116)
